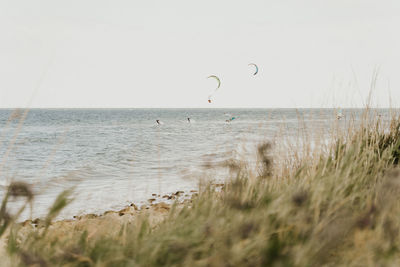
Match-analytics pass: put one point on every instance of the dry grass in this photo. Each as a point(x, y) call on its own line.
point(334, 204)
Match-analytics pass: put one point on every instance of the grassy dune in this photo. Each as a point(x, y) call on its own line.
point(334, 205)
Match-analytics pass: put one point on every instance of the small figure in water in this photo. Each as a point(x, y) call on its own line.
point(231, 119)
point(188, 120)
point(158, 122)
point(209, 100)
point(339, 114)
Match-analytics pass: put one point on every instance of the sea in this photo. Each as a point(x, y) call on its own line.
point(113, 157)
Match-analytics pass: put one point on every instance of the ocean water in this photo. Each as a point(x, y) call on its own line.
point(113, 157)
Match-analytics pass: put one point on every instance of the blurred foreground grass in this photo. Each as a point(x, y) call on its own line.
point(336, 204)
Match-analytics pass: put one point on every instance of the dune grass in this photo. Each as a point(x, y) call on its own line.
point(336, 204)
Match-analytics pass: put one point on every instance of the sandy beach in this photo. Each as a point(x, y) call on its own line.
point(110, 222)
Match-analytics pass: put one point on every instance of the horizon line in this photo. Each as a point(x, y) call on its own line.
point(4, 108)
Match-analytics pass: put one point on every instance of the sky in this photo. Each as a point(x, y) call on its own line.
point(135, 54)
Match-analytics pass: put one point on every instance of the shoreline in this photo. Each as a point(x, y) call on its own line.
point(157, 206)
point(156, 210)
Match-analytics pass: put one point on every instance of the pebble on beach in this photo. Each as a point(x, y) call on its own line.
point(178, 193)
point(128, 210)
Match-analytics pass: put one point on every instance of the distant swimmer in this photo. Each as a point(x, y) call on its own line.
point(158, 122)
point(188, 120)
point(209, 100)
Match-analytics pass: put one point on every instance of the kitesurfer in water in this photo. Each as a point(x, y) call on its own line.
point(231, 119)
point(339, 115)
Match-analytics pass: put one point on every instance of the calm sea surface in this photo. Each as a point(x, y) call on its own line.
point(117, 156)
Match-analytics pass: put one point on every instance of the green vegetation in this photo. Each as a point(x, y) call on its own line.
point(337, 205)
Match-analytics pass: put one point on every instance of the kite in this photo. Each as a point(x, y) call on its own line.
point(252, 64)
point(219, 84)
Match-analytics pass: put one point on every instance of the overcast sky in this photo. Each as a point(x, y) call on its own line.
point(131, 53)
